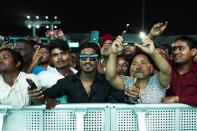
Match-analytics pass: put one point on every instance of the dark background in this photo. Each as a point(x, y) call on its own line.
point(105, 16)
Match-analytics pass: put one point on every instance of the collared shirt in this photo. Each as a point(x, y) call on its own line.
point(76, 93)
point(184, 86)
point(50, 77)
point(38, 69)
point(16, 95)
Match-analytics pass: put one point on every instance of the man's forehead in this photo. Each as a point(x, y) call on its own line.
point(179, 43)
point(108, 42)
point(141, 57)
point(57, 50)
point(88, 51)
point(7, 53)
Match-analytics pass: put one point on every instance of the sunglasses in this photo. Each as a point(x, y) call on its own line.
point(92, 57)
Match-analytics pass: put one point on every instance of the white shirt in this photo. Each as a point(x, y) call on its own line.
point(50, 77)
point(17, 94)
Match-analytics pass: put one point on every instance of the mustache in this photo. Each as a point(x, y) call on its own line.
point(87, 64)
point(138, 70)
point(60, 61)
point(176, 55)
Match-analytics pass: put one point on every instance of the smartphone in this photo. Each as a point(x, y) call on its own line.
point(94, 37)
point(32, 84)
point(131, 38)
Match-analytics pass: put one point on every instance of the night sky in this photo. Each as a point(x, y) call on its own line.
point(107, 17)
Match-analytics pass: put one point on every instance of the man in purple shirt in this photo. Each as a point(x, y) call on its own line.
point(183, 87)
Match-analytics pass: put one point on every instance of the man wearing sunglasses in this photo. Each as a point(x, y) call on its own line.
point(87, 86)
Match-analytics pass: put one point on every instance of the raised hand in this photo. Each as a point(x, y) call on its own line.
point(37, 56)
point(60, 35)
point(6, 46)
point(157, 29)
point(117, 45)
point(147, 46)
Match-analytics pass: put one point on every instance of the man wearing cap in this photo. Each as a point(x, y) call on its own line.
point(106, 42)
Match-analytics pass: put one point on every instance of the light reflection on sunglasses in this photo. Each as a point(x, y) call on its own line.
point(91, 57)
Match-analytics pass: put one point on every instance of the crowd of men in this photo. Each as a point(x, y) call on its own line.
point(111, 71)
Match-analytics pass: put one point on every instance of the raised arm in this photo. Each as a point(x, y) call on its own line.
point(37, 56)
point(161, 63)
point(111, 74)
point(157, 30)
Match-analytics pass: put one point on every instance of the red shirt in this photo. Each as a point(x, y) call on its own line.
point(184, 86)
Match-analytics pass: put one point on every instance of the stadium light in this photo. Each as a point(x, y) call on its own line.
point(36, 23)
point(28, 17)
point(37, 26)
point(29, 26)
point(37, 17)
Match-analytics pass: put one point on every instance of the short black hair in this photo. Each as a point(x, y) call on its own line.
point(16, 56)
point(191, 42)
point(92, 45)
point(26, 42)
point(138, 51)
point(60, 44)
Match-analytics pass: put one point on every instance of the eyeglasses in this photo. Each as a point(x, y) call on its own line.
point(92, 57)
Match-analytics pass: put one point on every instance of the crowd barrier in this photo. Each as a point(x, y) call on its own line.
point(100, 117)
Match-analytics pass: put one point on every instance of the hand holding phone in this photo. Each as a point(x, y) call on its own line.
point(32, 84)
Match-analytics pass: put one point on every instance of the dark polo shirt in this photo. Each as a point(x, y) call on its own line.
point(72, 86)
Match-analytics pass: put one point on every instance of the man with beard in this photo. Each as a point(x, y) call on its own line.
point(106, 41)
point(13, 85)
point(183, 86)
point(141, 86)
point(87, 86)
point(122, 65)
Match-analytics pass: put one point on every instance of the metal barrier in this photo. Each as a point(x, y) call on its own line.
point(100, 117)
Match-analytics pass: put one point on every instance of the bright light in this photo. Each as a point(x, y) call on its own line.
point(124, 31)
point(37, 17)
point(46, 17)
point(128, 25)
point(142, 35)
point(28, 17)
point(37, 26)
point(55, 17)
point(29, 26)
point(55, 27)
point(47, 27)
